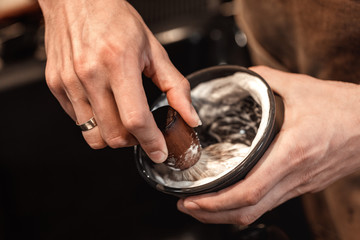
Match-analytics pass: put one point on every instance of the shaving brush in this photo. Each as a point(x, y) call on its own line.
point(183, 144)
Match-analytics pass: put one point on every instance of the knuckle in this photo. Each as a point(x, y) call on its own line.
point(69, 80)
point(73, 88)
point(85, 68)
point(134, 121)
point(110, 51)
point(163, 52)
point(97, 144)
point(117, 142)
point(52, 80)
point(244, 220)
point(254, 196)
point(185, 84)
point(202, 219)
point(300, 190)
point(94, 140)
point(107, 53)
point(213, 206)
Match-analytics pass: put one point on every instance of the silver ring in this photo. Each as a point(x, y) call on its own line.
point(87, 125)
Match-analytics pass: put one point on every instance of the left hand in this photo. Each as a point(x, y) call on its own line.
point(317, 145)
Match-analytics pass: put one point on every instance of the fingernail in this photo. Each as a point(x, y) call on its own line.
point(191, 205)
point(158, 156)
point(196, 117)
point(180, 205)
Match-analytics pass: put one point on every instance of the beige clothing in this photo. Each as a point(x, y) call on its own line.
point(320, 38)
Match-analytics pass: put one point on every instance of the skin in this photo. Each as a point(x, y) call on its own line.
point(95, 57)
point(317, 145)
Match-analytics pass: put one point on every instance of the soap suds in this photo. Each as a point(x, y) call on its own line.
point(234, 112)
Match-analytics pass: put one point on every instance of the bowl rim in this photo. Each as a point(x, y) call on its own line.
point(239, 171)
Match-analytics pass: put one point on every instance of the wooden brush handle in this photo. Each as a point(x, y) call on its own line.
point(182, 141)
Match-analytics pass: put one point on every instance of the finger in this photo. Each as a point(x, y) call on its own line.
point(108, 119)
point(135, 113)
point(241, 216)
point(259, 181)
point(179, 98)
point(247, 214)
point(84, 113)
point(71, 87)
point(54, 82)
point(57, 89)
point(223, 217)
point(82, 108)
point(291, 185)
point(174, 84)
point(66, 105)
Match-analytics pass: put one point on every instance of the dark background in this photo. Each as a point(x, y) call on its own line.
point(53, 186)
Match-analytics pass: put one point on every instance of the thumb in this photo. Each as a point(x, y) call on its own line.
point(278, 80)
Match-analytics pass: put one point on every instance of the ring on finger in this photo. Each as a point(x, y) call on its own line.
point(88, 125)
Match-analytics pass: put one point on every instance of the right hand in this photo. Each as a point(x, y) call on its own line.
point(96, 53)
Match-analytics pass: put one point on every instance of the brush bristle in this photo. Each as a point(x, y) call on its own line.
point(213, 161)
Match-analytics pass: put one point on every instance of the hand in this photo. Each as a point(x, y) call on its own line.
point(96, 54)
point(318, 144)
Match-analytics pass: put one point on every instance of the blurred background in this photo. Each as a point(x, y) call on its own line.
point(53, 186)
